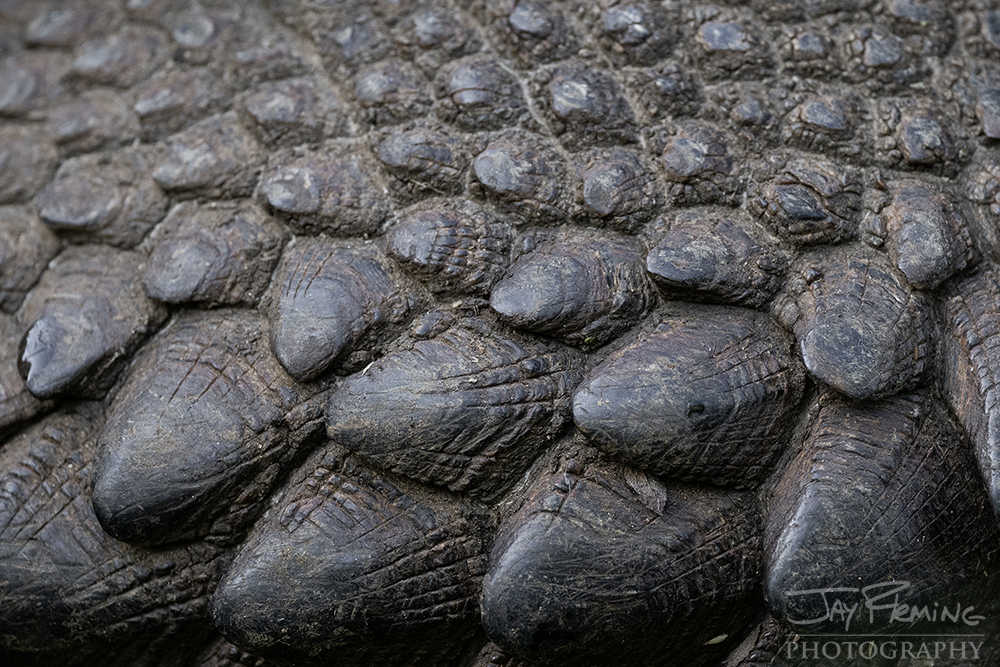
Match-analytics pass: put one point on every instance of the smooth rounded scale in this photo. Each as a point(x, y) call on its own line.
point(611, 567)
point(424, 159)
point(584, 292)
point(620, 188)
point(333, 190)
point(586, 107)
point(329, 298)
point(927, 238)
point(199, 432)
point(215, 157)
point(699, 165)
point(710, 397)
point(481, 95)
point(859, 328)
point(351, 568)
point(468, 409)
point(876, 489)
point(86, 316)
point(221, 254)
point(391, 92)
point(525, 175)
point(452, 244)
point(710, 258)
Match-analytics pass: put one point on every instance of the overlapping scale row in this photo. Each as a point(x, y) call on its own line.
point(517, 271)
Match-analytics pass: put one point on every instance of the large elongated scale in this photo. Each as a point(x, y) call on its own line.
point(710, 397)
point(83, 319)
point(971, 329)
point(859, 327)
point(581, 291)
point(73, 595)
point(468, 409)
point(351, 569)
point(610, 567)
point(330, 299)
point(205, 423)
point(716, 259)
point(878, 489)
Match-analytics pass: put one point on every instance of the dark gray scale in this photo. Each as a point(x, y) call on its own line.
point(27, 160)
point(926, 23)
point(526, 176)
point(347, 40)
point(810, 201)
point(215, 157)
point(451, 244)
point(529, 32)
point(634, 32)
point(608, 566)
point(877, 489)
point(479, 94)
point(95, 120)
point(468, 409)
point(584, 106)
point(982, 189)
point(87, 315)
point(30, 81)
point(174, 98)
point(982, 36)
point(987, 86)
point(199, 432)
point(924, 232)
point(17, 404)
point(827, 123)
point(663, 91)
point(970, 327)
point(333, 190)
point(432, 36)
point(272, 59)
point(423, 160)
point(699, 166)
point(356, 568)
point(619, 188)
point(859, 327)
point(104, 197)
point(882, 60)
point(201, 36)
point(216, 254)
point(709, 258)
point(330, 300)
point(295, 111)
point(913, 135)
point(26, 246)
point(579, 290)
point(72, 594)
point(121, 59)
point(731, 50)
point(65, 27)
point(710, 397)
point(391, 91)
point(808, 51)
